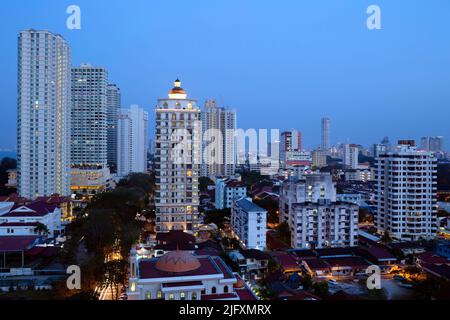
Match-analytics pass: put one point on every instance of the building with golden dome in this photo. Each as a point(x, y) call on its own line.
point(178, 153)
point(180, 275)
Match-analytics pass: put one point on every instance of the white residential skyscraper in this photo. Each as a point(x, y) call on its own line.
point(219, 147)
point(177, 162)
point(89, 111)
point(43, 117)
point(326, 134)
point(113, 98)
point(132, 140)
point(350, 156)
point(406, 193)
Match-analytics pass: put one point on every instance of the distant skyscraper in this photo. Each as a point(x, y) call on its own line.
point(89, 111)
point(43, 120)
point(434, 144)
point(350, 158)
point(132, 140)
point(325, 134)
point(113, 109)
point(218, 125)
point(177, 161)
point(406, 193)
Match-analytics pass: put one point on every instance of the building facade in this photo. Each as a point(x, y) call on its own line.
point(248, 222)
point(113, 105)
point(219, 145)
point(132, 144)
point(177, 161)
point(227, 191)
point(43, 117)
point(350, 156)
point(316, 220)
point(319, 158)
point(406, 204)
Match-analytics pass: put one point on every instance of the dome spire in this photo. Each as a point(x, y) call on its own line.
point(177, 92)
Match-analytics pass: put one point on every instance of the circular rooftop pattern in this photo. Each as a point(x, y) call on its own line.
point(177, 262)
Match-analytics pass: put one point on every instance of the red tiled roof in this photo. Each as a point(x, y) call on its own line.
point(43, 251)
point(354, 262)
point(33, 209)
point(218, 296)
point(147, 269)
point(235, 184)
point(316, 264)
point(17, 243)
point(274, 243)
point(245, 294)
point(182, 284)
point(380, 254)
point(432, 258)
point(225, 270)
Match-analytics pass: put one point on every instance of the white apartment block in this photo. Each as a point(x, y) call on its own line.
point(248, 223)
point(227, 191)
point(406, 193)
point(177, 162)
point(43, 119)
point(132, 144)
point(350, 157)
point(89, 111)
point(313, 187)
point(316, 225)
point(219, 147)
point(315, 218)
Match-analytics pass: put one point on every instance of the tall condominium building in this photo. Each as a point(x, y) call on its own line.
point(434, 144)
point(406, 193)
point(325, 134)
point(177, 161)
point(113, 105)
point(316, 220)
point(43, 115)
point(219, 147)
point(89, 116)
point(290, 146)
point(350, 156)
point(132, 144)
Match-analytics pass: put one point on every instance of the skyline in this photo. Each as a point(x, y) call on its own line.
point(245, 71)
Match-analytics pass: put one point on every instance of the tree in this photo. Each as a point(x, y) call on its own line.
point(386, 238)
point(284, 232)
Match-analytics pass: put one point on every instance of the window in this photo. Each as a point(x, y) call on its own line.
point(182, 296)
point(213, 290)
point(148, 295)
point(171, 296)
point(159, 295)
point(194, 295)
point(225, 289)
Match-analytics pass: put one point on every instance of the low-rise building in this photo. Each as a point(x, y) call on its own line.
point(35, 218)
point(248, 223)
point(179, 275)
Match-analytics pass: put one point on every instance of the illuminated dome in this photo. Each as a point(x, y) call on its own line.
point(177, 92)
point(177, 262)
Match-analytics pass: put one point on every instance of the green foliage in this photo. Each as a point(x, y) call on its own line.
point(284, 233)
point(218, 217)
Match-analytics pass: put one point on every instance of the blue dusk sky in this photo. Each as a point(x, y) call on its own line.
point(281, 64)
